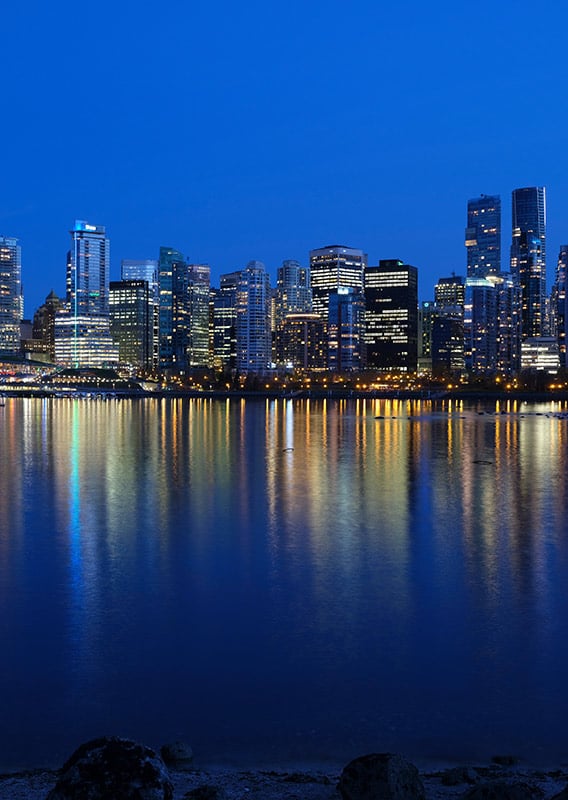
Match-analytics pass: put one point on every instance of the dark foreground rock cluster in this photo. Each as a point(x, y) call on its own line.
point(111, 768)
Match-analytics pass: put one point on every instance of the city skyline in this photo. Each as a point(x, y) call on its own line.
point(232, 135)
point(425, 290)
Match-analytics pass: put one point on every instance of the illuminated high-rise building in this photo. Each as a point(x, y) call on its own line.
point(146, 269)
point(480, 326)
point(253, 327)
point(82, 328)
point(293, 290)
point(528, 256)
point(44, 322)
point(483, 236)
point(302, 342)
point(225, 321)
point(88, 266)
point(173, 309)
point(345, 325)
point(131, 304)
point(391, 316)
point(449, 295)
point(332, 267)
point(198, 292)
point(559, 301)
point(10, 295)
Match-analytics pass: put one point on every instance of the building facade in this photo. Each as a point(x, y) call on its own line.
point(528, 256)
point(131, 304)
point(332, 267)
point(345, 329)
point(10, 295)
point(82, 328)
point(253, 325)
point(483, 236)
point(391, 316)
point(480, 326)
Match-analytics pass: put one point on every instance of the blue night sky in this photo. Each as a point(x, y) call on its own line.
point(239, 131)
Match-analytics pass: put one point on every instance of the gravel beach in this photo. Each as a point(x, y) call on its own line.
point(308, 782)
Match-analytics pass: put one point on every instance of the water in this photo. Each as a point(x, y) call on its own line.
point(280, 580)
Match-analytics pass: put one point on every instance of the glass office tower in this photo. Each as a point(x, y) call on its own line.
point(528, 256)
point(10, 295)
point(483, 236)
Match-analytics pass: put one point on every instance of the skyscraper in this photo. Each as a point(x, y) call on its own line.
point(346, 320)
point(225, 321)
point(131, 322)
point(10, 295)
point(480, 326)
point(559, 301)
point(391, 316)
point(146, 270)
point(254, 337)
point(199, 287)
point(82, 329)
point(88, 267)
point(332, 267)
point(528, 256)
point(293, 290)
point(483, 236)
point(171, 270)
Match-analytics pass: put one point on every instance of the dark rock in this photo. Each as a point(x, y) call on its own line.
point(111, 767)
point(177, 755)
point(457, 775)
point(563, 795)
point(380, 776)
point(206, 792)
point(503, 790)
point(505, 761)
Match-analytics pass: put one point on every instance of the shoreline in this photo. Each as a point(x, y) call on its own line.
point(8, 391)
point(311, 780)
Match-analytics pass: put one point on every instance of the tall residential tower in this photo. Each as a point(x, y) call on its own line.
point(528, 256)
point(10, 295)
point(483, 236)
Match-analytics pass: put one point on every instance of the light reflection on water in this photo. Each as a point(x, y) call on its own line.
point(283, 578)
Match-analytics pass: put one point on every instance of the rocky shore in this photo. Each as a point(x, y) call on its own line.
point(122, 770)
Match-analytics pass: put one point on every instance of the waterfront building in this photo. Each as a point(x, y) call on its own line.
point(131, 304)
point(508, 297)
point(293, 292)
point(528, 256)
point(10, 295)
point(147, 270)
point(84, 341)
point(448, 346)
point(88, 266)
point(391, 316)
point(332, 267)
point(426, 314)
point(253, 327)
point(198, 291)
point(225, 322)
point(540, 354)
point(82, 327)
point(345, 325)
point(449, 295)
point(483, 236)
point(172, 309)
point(43, 326)
point(292, 295)
point(302, 342)
point(558, 302)
point(480, 326)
